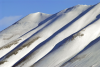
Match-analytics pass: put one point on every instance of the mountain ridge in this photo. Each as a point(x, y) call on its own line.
point(50, 40)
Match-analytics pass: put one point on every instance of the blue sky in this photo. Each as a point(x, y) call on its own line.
point(13, 10)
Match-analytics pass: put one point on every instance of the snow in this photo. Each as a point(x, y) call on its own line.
point(89, 58)
point(13, 35)
point(20, 27)
point(39, 36)
point(66, 50)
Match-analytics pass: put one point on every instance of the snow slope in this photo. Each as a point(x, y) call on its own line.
point(44, 40)
point(22, 26)
point(88, 58)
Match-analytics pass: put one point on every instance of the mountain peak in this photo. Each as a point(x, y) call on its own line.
point(38, 12)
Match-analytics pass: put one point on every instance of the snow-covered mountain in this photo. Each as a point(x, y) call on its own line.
point(69, 38)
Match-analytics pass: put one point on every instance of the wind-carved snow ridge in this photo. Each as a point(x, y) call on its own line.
point(85, 54)
point(65, 27)
point(44, 27)
point(67, 38)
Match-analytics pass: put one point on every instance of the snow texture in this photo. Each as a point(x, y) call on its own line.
point(69, 38)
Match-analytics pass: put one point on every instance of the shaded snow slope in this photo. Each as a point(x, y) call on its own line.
point(88, 58)
point(43, 40)
point(70, 49)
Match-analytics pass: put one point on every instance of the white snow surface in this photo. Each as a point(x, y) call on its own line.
point(28, 33)
point(22, 26)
